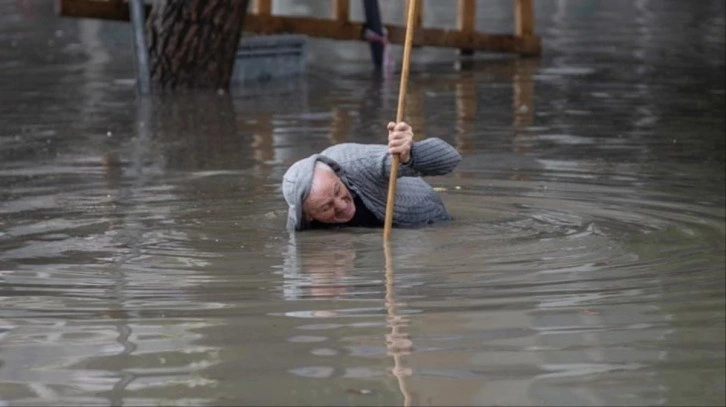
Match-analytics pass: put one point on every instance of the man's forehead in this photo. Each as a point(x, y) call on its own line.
point(323, 178)
point(323, 184)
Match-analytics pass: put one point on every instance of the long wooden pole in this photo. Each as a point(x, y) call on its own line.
point(412, 5)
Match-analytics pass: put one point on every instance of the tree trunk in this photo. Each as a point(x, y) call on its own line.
point(193, 43)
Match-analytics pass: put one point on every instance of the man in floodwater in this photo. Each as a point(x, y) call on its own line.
point(347, 184)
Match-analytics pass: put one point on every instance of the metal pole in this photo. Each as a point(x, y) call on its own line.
point(136, 9)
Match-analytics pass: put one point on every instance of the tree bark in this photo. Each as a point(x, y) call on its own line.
point(193, 43)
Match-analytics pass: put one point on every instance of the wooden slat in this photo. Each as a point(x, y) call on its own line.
point(104, 10)
point(466, 15)
point(262, 7)
point(523, 18)
point(465, 20)
point(341, 10)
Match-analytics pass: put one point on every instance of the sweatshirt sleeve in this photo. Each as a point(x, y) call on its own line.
point(431, 156)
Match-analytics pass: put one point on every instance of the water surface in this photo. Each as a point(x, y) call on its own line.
point(144, 261)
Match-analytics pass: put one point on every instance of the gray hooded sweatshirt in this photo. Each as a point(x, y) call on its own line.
point(365, 170)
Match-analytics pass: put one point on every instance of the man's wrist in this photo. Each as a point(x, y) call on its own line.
point(409, 159)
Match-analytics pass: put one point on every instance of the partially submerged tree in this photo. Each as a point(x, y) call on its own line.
point(193, 43)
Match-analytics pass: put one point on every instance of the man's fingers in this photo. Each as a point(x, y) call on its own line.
point(399, 135)
point(395, 139)
point(399, 146)
point(399, 142)
point(400, 139)
point(400, 126)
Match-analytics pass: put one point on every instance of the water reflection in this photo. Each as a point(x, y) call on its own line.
point(116, 361)
point(273, 138)
point(333, 273)
point(320, 274)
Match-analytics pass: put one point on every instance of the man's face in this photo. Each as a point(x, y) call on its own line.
point(329, 200)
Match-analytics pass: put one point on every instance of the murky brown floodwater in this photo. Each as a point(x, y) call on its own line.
point(144, 261)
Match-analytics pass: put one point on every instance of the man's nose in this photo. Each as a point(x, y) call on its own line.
point(340, 204)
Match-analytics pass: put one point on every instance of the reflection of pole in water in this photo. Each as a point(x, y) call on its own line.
point(262, 139)
point(523, 105)
point(647, 114)
point(523, 84)
point(416, 116)
point(397, 343)
point(340, 126)
point(466, 105)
